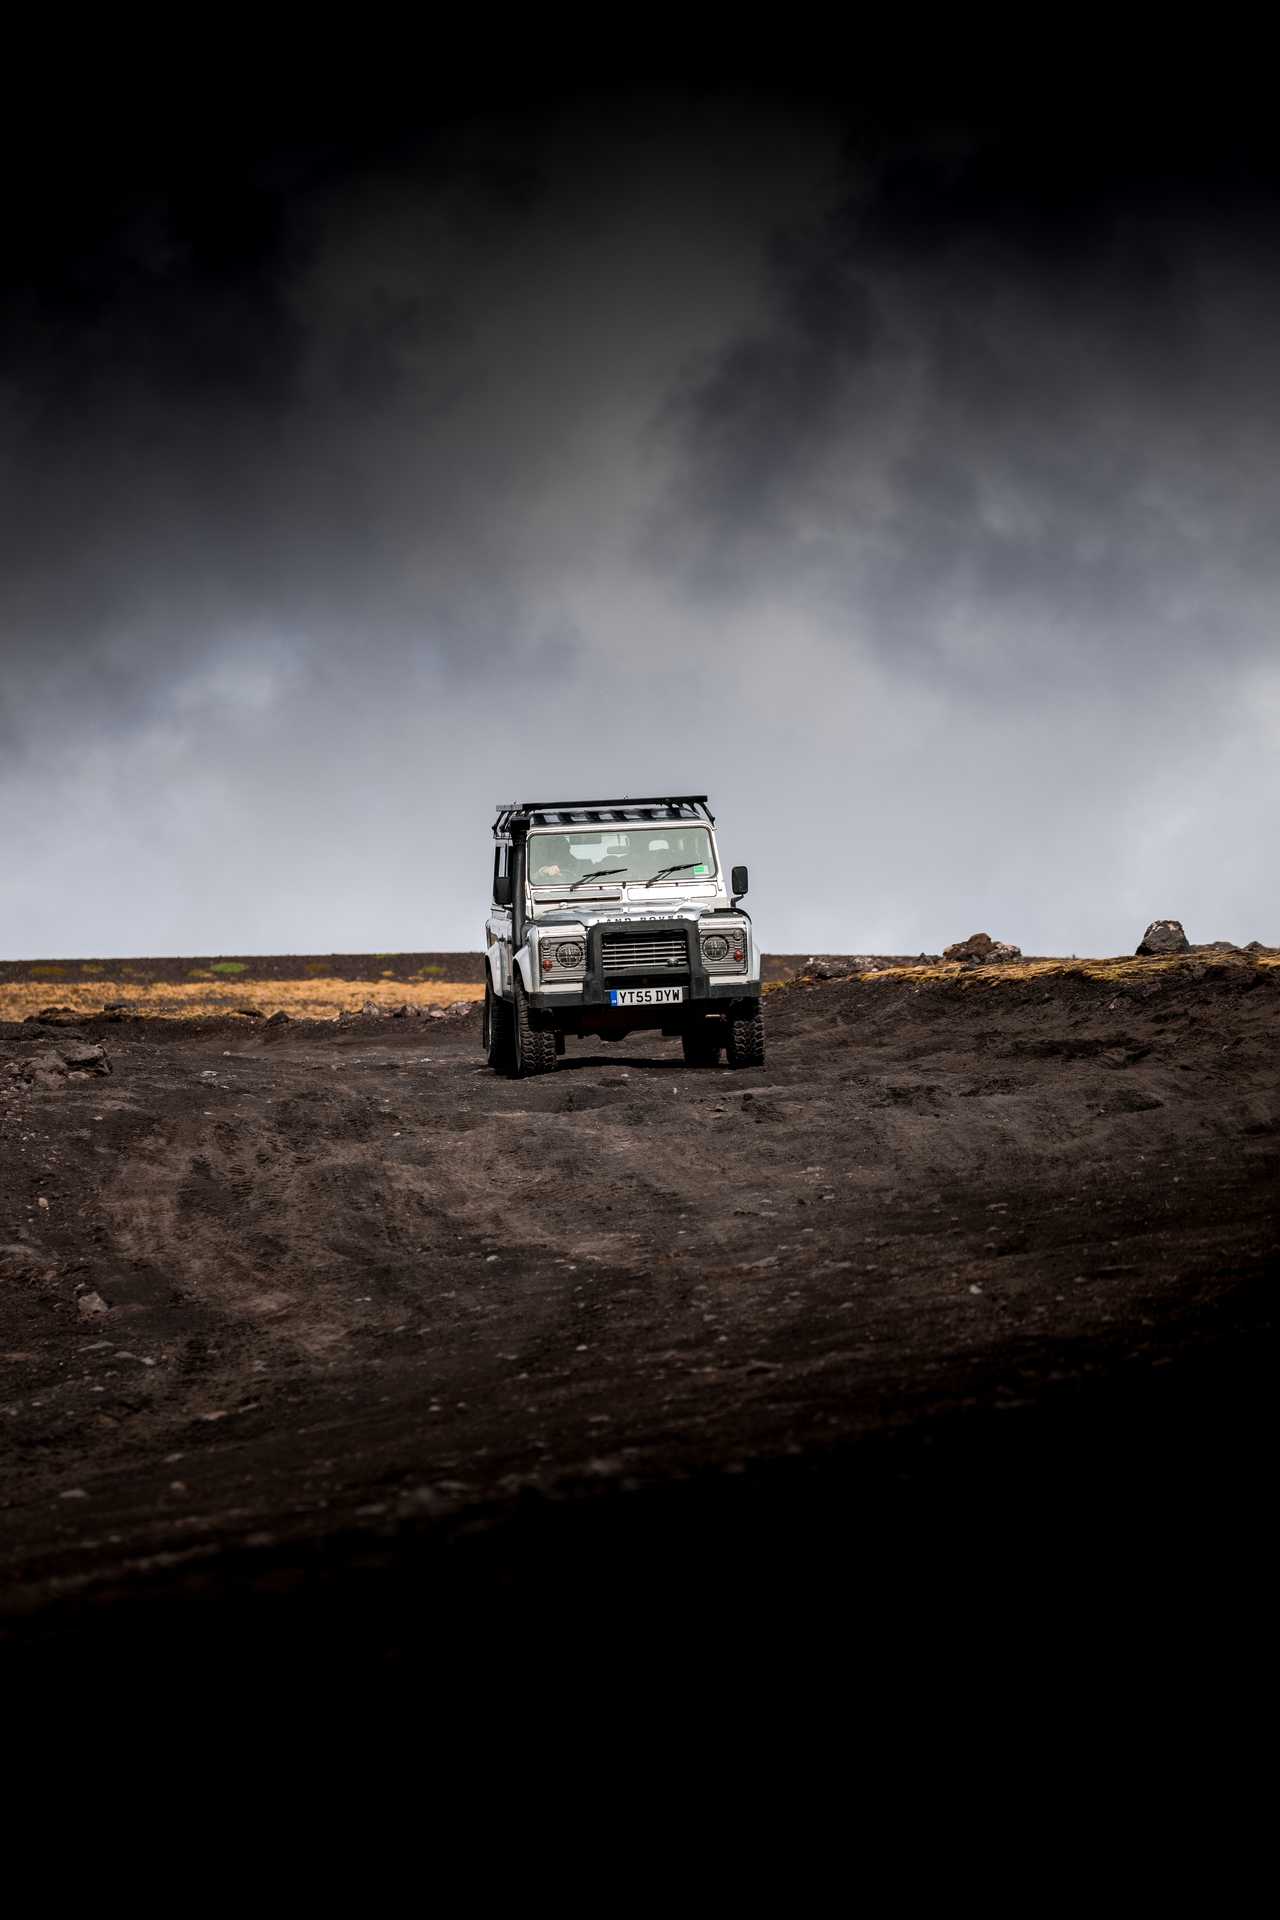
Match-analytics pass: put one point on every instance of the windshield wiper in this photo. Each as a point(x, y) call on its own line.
point(600, 874)
point(682, 867)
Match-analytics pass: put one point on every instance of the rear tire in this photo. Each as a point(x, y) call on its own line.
point(702, 1044)
point(498, 1048)
point(535, 1047)
point(746, 1038)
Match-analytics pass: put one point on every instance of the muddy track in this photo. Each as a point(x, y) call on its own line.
point(377, 1333)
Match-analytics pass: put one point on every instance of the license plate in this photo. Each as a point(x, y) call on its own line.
point(645, 996)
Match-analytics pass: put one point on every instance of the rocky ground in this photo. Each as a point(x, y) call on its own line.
point(320, 1344)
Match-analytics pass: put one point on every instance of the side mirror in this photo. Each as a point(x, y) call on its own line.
point(739, 882)
point(502, 890)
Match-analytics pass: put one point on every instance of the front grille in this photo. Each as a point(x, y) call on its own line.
point(636, 953)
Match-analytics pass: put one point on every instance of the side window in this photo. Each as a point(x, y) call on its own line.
point(501, 855)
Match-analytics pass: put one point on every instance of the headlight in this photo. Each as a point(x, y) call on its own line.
point(569, 953)
point(725, 952)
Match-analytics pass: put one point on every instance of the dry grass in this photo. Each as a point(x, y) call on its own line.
point(304, 999)
point(325, 999)
point(1126, 967)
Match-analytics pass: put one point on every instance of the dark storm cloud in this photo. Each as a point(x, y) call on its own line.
point(197, 436)
point(304, 385)
point(356, 470)
point(1032, 380)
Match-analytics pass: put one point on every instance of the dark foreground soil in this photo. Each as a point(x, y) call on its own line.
point(324, 1351)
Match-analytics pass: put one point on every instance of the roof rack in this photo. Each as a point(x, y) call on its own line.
point(632, 808)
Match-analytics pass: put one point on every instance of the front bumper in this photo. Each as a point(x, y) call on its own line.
point(700, 986)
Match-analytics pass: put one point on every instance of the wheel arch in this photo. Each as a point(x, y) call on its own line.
point(494, 971)
point(523, 965)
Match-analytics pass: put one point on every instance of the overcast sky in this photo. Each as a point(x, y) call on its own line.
point(903, 473)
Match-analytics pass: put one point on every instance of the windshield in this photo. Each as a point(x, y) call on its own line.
point(628, 856)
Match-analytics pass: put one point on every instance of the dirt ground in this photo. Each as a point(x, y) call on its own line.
point(318, 1336)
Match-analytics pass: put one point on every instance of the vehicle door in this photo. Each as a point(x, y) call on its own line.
point(498, 925)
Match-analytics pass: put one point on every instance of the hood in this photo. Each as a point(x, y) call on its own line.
point(615, 911)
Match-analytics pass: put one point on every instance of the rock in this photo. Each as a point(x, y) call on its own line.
point(980, 950)
point(48, 1062)
point(278, 1019)
point(372, 1011)
point(91, 1306)
point(44, 1069)
point(403, 1012)
point(55, 1017)
point(21, 1262)
point(826, 966)
point(248, 1013)
point(86, 1058)
point(1164, 936)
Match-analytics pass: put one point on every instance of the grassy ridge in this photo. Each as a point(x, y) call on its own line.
point(176, 970)
point(1005, 972)
point(316, 999)
point(369, 969)
point(308, 993)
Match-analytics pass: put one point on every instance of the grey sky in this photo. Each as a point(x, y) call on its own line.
point(918, 508)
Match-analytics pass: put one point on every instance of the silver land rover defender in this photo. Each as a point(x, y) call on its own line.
point(609, 915)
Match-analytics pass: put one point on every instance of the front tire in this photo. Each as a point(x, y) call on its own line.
point(535, 1047)
point(746, 1037)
